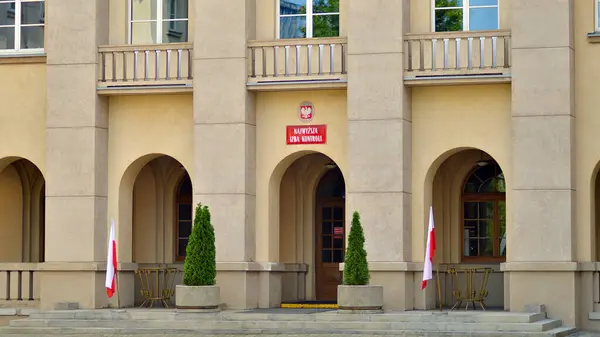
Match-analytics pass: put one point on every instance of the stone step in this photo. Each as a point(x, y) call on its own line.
point(538, 326)
point(405, 316)
point(87, 331)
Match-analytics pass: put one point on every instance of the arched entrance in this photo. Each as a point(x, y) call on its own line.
point(22, 211)
point(311, 228)
point(469, 202)
point(330, 229)
point(155, 214)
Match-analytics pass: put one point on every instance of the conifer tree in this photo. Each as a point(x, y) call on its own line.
point(356, 268)
point(200, 267)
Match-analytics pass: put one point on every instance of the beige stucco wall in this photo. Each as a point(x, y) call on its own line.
point(273, 112)
point(11, 215)
point(143, 128)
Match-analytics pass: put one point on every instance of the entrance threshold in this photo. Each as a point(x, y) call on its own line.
point(310, 305)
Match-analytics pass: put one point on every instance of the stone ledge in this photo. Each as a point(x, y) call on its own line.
point(83, 266)
point(594, 37)
point(392, 266)
point(559, 266)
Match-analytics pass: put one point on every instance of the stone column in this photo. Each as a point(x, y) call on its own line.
point(76, 156)
point(224, 141)
point(379, 142)
point(540, 235)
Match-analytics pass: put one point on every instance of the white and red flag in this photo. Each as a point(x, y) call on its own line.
point(111, 261)
point(429, 251)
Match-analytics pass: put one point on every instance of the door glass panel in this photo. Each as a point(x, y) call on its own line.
point(338, 243)
point(326, 241)
point(326, 213)
point(338, 213)
point(326, 256)
point(338, 256)
point(327, 227)
point(502, 227)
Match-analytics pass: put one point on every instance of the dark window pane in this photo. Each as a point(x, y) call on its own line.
point(470, 209)
point(486, 247)
point(292, 27)
point(471, 248)
point(185, 229)
point(486, 228)
point(326, 6)
point(173, 32)
point(326, 213)
point(185, 189)
point(181, 246)
point(32, 13)
point(338, 213)
point(338, 256)
point(338, 243)
point(292, 7)
point(175, 9)
point(448, 3)
point(483, 3)
point(448, 20)
point(326, 25)
point(326, 256)
point(486, 210)
point(7, 38)
point(32, 37)
point(185, 211)
point(327, 227)
point(326, 241)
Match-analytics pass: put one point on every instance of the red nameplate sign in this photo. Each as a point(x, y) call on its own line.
point(306, 134)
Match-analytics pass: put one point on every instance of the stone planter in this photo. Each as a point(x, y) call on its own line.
point(360, 298)
point(205, 298)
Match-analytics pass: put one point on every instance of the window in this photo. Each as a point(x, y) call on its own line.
point(463, 15)
point(158, 21)
point(484, 214)
point(597, 16)
point(309, 18)
point(22, 25)
point(183, 213)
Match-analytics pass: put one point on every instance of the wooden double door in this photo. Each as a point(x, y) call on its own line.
point(330, 247)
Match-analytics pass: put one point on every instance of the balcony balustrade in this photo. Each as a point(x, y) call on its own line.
point(19, 283)
point(142, 69)
point(457, 57)
point(297, 64)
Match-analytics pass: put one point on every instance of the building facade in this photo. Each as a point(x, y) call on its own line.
point(284, 117)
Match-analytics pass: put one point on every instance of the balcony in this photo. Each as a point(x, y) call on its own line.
point(297, 64)
point(127, 69)
point(447, 58)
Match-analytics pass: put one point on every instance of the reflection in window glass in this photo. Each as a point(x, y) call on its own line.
point(309, 18)
point(22, 25)
point(463, 15)
point(598, 15)
point(158, 21)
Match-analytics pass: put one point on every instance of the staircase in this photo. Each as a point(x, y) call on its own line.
point(299, 322)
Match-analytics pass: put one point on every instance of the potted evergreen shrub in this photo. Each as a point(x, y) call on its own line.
point(356, 294)
point(199, 290)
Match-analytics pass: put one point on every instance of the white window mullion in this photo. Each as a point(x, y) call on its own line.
point(17, 25)
point(466, 11)
point(309, 18)
point(159, 21)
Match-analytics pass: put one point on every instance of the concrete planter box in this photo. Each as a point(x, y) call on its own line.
point(205, 298)
point(360, 298)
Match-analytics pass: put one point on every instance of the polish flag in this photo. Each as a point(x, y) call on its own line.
point(429, 251)
point(111, 261)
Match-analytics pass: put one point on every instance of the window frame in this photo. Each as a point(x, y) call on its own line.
point(309, 19)
point(179, 199)
point(159, 21)
point(596, 21)
point(481, 197)
point(16, 50)
point(466, 14)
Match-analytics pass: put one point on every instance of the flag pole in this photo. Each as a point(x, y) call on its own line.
point(118, 288)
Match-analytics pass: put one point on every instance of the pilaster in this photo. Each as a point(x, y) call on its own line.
point(225, 136)
point(76, 153)
point(543, 188)
point(379, 138)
